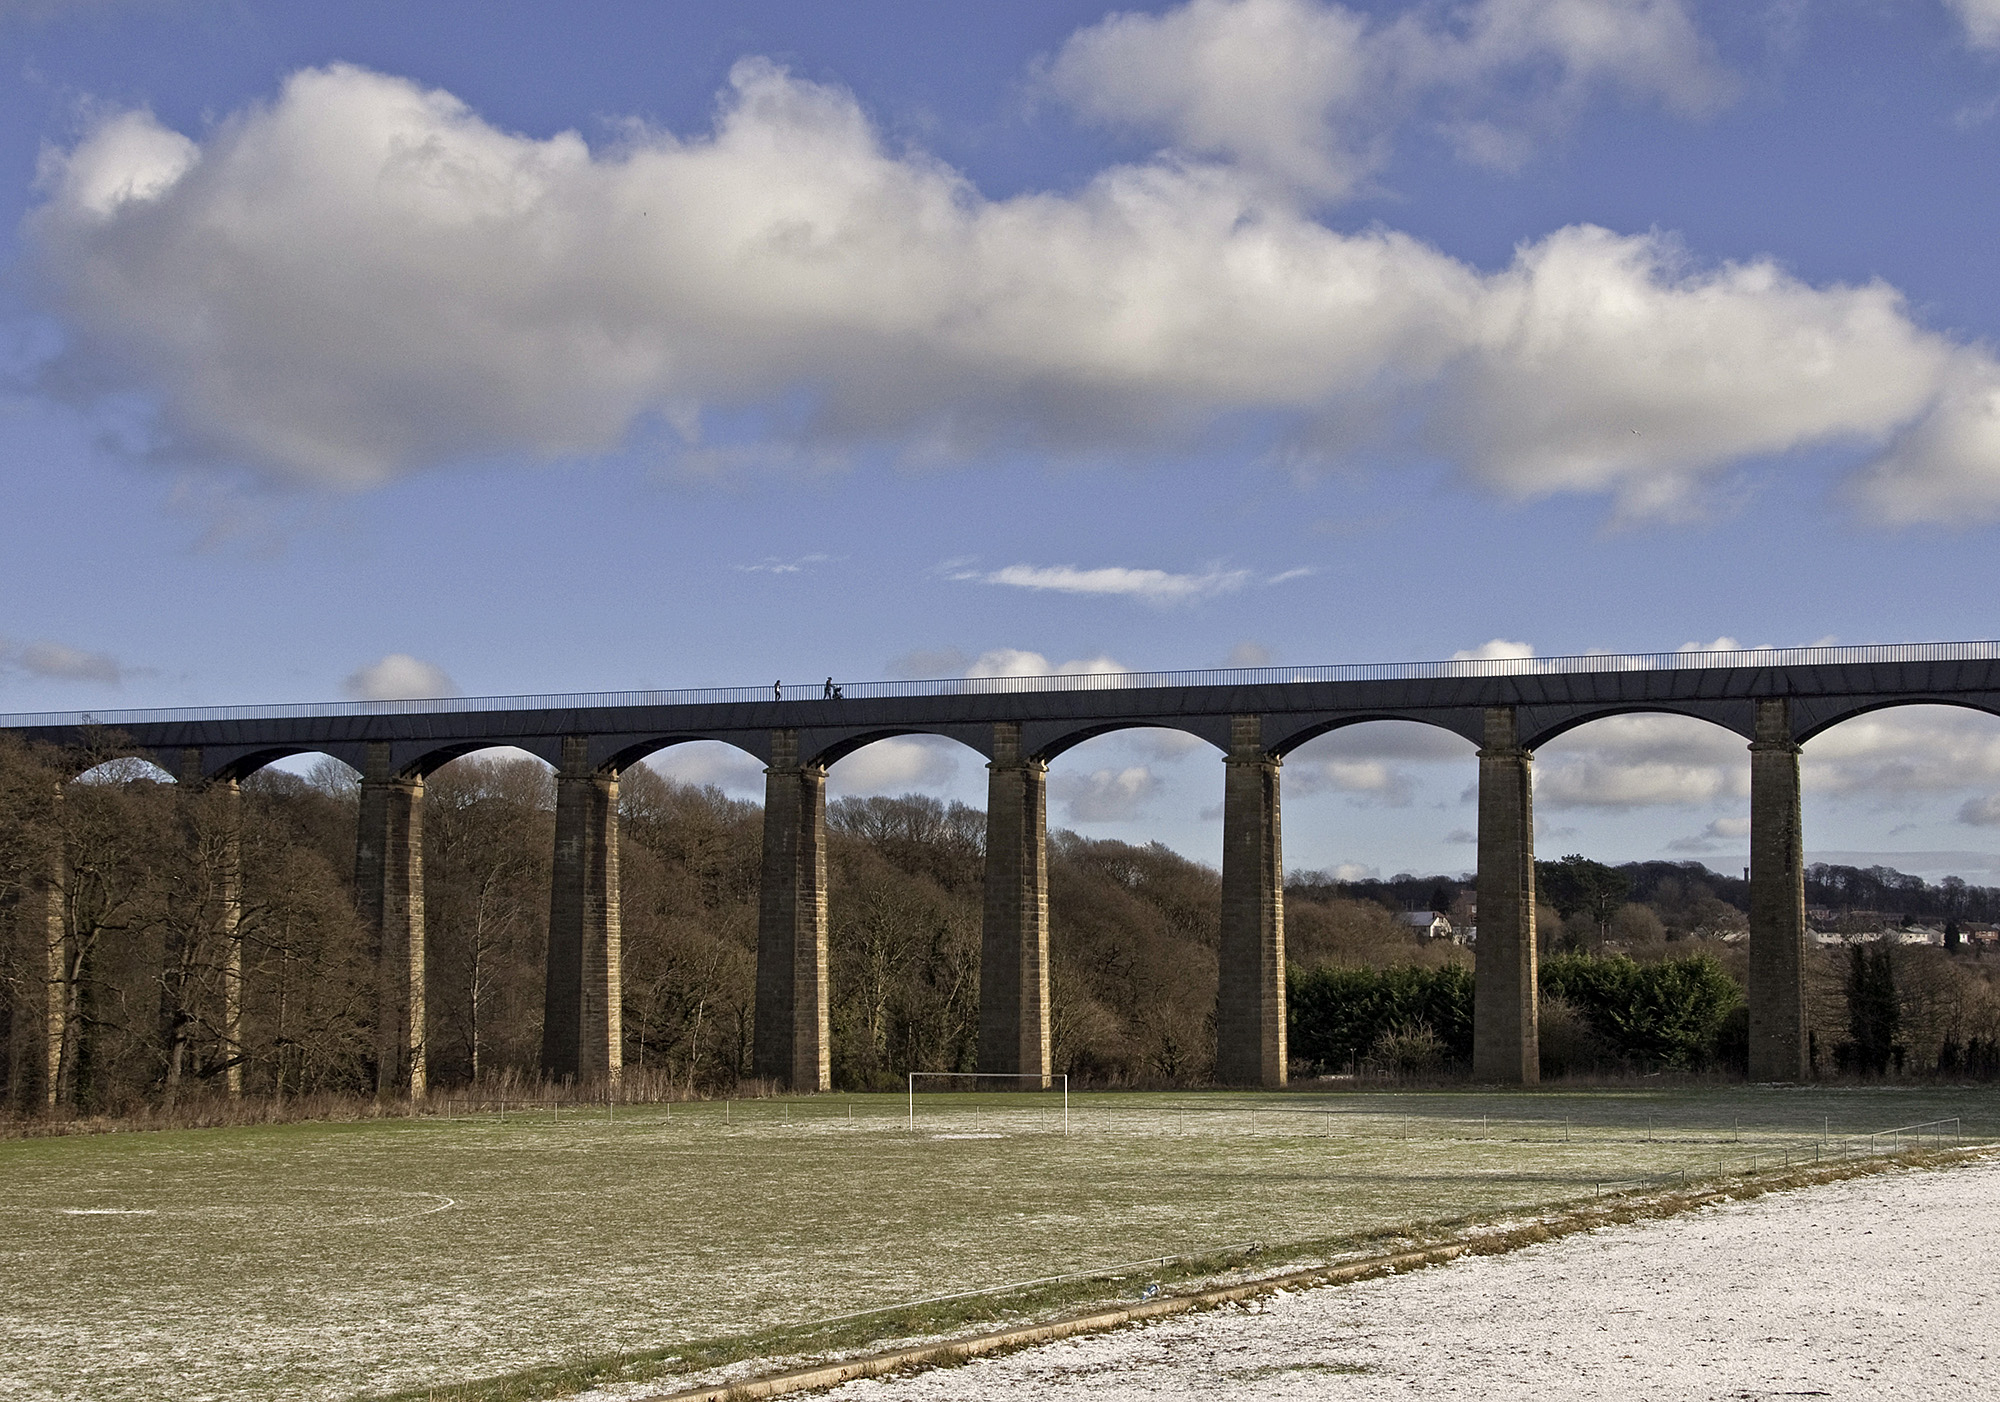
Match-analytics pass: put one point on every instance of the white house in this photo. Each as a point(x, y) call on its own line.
point(1429, 924)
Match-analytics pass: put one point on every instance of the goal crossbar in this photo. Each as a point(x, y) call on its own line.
point(1043, 1078)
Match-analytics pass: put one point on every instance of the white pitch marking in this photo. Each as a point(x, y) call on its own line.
point(108, 1211)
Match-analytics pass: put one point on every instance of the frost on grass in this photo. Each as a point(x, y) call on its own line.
point(1880, 1287)
point(321, 1262)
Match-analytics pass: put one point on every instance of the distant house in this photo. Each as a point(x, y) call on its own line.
point(1428, 924)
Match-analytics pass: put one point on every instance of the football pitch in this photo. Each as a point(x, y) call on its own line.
point(328, 1261)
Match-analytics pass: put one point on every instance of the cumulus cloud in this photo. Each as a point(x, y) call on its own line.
point(1892, 759)
point(1104, 795)
point(1642, 761)
point(1311, 94)
point(1946, 465)
point(61, 662)
point(1493, 651)
point(399, 677)
point(1371, 763)
point(1370, 781)
point(895, 766)
point(1903, 756)
point(1981, 20)
point(1720, 833)
point(362, 278)
point(710, 762)
point(1015, 662)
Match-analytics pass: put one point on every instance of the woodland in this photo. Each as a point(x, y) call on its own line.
point(139, 976)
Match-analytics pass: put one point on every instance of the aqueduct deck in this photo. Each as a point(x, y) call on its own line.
point(1775, 699)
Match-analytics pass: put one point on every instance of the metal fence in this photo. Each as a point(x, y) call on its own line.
point(1691, 660)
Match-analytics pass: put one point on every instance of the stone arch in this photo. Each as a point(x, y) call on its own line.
point(1047, 740)
point(1543, 725)
point(1465, 727)
point(1820, 724)
point(856, 747)
point(614, 755)
point(244, 766)
point(432, 760)
point(124, 768)
point(1659, 770)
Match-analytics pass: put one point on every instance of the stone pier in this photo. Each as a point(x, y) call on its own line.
point(1250, 988)
point(1777, 901)
point(793, 1045)
point(582, 1029)
point(389, 890)
point(1506, 1043)
point(1014, 934)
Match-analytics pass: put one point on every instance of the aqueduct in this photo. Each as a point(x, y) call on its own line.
point(1775, 699)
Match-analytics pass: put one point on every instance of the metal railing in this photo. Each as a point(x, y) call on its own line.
point(1594, 662)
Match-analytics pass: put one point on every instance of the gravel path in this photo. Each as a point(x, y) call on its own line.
point(1882, 1287)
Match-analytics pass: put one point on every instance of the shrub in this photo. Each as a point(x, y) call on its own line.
point(1665, 1014)
point(1340, 1016)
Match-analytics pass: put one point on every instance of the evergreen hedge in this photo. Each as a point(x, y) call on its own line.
point(1667, 1014)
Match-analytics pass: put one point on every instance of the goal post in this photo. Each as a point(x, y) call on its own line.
point(1043, 1081)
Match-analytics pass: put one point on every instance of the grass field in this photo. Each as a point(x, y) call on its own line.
point(331, 1260)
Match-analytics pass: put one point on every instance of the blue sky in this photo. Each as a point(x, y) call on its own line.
point(379, 349)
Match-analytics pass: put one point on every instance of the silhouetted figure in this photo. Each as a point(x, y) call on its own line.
point(778, 690)
point(827, 695)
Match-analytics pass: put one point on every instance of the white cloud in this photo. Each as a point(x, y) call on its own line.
point(1496, 650)
point(1248, 653)
point(710, 762)
point(1946, 465)
point(776, 565)
point(399, 677)
point(363, 278)
point(1312, 93)
point(1642, 761)
point(1371, 762)
point(1369, 780)
point(1899, 757)
point(1014, 662)
point(61, 662)
point(1720, 833)
point(1153, 586)
point(1398, 740)
point(1981, 19)
point(1104, 795)
point(895, 766)
point(1600, 363)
